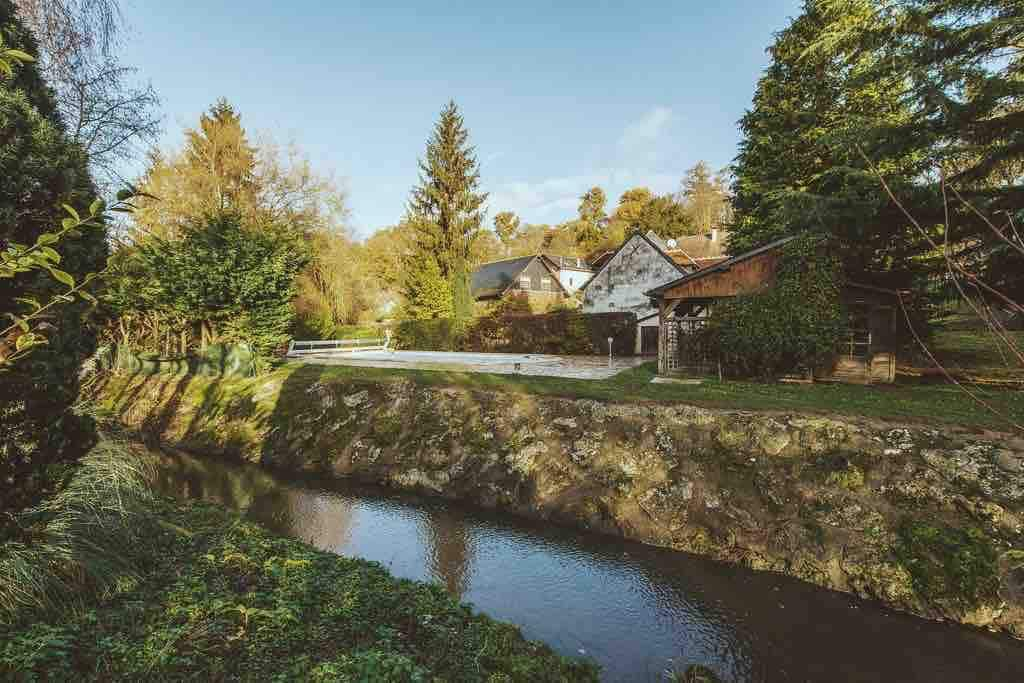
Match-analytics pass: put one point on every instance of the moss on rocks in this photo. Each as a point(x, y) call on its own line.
point(838, 503)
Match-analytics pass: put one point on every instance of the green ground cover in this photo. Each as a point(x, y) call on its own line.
point(218, 598)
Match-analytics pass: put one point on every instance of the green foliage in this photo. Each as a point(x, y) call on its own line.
point(221, 599)
point(76, 543)
point(428, 293)
point(948, 564)
point(794, 324)
point(446, 210)
point(232, 279)
point(508, 330)
point(431, 334)
point(41, 170)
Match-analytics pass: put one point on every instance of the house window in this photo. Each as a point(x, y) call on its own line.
point(524, 283)
point(545, 284)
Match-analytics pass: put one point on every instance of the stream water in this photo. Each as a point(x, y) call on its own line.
point(637, 610)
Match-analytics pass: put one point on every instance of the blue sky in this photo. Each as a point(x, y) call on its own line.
point(558, 96)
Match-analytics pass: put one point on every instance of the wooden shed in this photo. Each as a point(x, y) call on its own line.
point(686, 305)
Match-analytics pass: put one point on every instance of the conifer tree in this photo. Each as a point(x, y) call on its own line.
point(592, 218)
point(447, 209)
point(41, 169)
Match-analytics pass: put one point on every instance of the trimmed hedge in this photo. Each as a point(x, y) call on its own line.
point(562, 333)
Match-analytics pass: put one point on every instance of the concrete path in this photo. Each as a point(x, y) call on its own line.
point(575, 367)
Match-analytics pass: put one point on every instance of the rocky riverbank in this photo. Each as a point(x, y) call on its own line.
point(926, 521)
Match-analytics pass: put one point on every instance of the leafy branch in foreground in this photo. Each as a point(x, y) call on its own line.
point(25, 330)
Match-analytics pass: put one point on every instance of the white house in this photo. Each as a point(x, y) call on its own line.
point(640, 264)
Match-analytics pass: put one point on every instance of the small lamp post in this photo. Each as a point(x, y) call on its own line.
point(610, 351)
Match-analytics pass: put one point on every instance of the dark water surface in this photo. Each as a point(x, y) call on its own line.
point(635, 609)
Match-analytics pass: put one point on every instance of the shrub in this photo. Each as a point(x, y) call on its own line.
point(795, 324)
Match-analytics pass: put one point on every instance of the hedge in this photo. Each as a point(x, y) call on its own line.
point(562, 332)
point(218, 359)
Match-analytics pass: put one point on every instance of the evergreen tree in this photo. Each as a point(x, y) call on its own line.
point(706, 197)
point(592, 218)
point(214, 173)
point(799, 168)
point(41, 169)
point(447, 209)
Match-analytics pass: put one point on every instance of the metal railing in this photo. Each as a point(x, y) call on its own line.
point(309, 347)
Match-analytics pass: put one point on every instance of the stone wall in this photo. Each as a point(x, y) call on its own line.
point(925, 521)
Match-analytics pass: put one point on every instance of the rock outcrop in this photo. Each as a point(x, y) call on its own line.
point(925, 521)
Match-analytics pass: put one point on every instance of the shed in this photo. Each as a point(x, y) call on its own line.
point(686, 304)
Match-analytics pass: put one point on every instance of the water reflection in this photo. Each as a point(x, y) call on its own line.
point(633, 608)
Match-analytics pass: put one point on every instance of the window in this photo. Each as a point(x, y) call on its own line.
point(524, 282)
point(545, 284)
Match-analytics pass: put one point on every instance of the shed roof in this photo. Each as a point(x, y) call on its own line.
point(719, 267)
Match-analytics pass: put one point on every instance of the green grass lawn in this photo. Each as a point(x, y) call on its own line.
point(978, 353)
point(926, 403)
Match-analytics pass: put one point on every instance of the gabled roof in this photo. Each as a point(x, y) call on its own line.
point(720, 267)
point(494, 278)
point(655, 242)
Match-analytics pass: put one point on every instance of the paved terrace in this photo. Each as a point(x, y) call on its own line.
point(575, 367)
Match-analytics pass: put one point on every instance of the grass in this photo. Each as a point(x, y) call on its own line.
point(925, 403)
point(978, 353)
point(222, 599)
point(73, 545)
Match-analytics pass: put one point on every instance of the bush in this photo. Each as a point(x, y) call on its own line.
point(794, 325)
point(562, 332)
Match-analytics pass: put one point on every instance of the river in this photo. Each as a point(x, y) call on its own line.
point(637, 610)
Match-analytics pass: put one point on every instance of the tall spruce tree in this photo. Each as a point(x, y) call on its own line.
point(447, 209)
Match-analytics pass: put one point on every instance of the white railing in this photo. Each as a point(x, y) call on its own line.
point(305, 348)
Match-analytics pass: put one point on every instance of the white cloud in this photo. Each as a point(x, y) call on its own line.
point(645, 130)
point(630, 162)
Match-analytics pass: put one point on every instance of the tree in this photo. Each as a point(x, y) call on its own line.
point(106, 111)
point(215, 172)
point(42, 169)
point(706, 198)
point(957, 69)
point(592, 218)
point(219, 282)
point(428, 294)
point(629, 213)
point(446, 207)
point(799, 168)
point(506, 226)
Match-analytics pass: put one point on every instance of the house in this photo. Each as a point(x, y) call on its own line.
point(686, 304)
point(622, 279)
point(699, 251)
point(541, 279)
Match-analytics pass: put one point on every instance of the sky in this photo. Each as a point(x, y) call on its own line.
point(558, 96)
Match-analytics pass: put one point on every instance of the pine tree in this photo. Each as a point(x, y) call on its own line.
point(447, 209)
